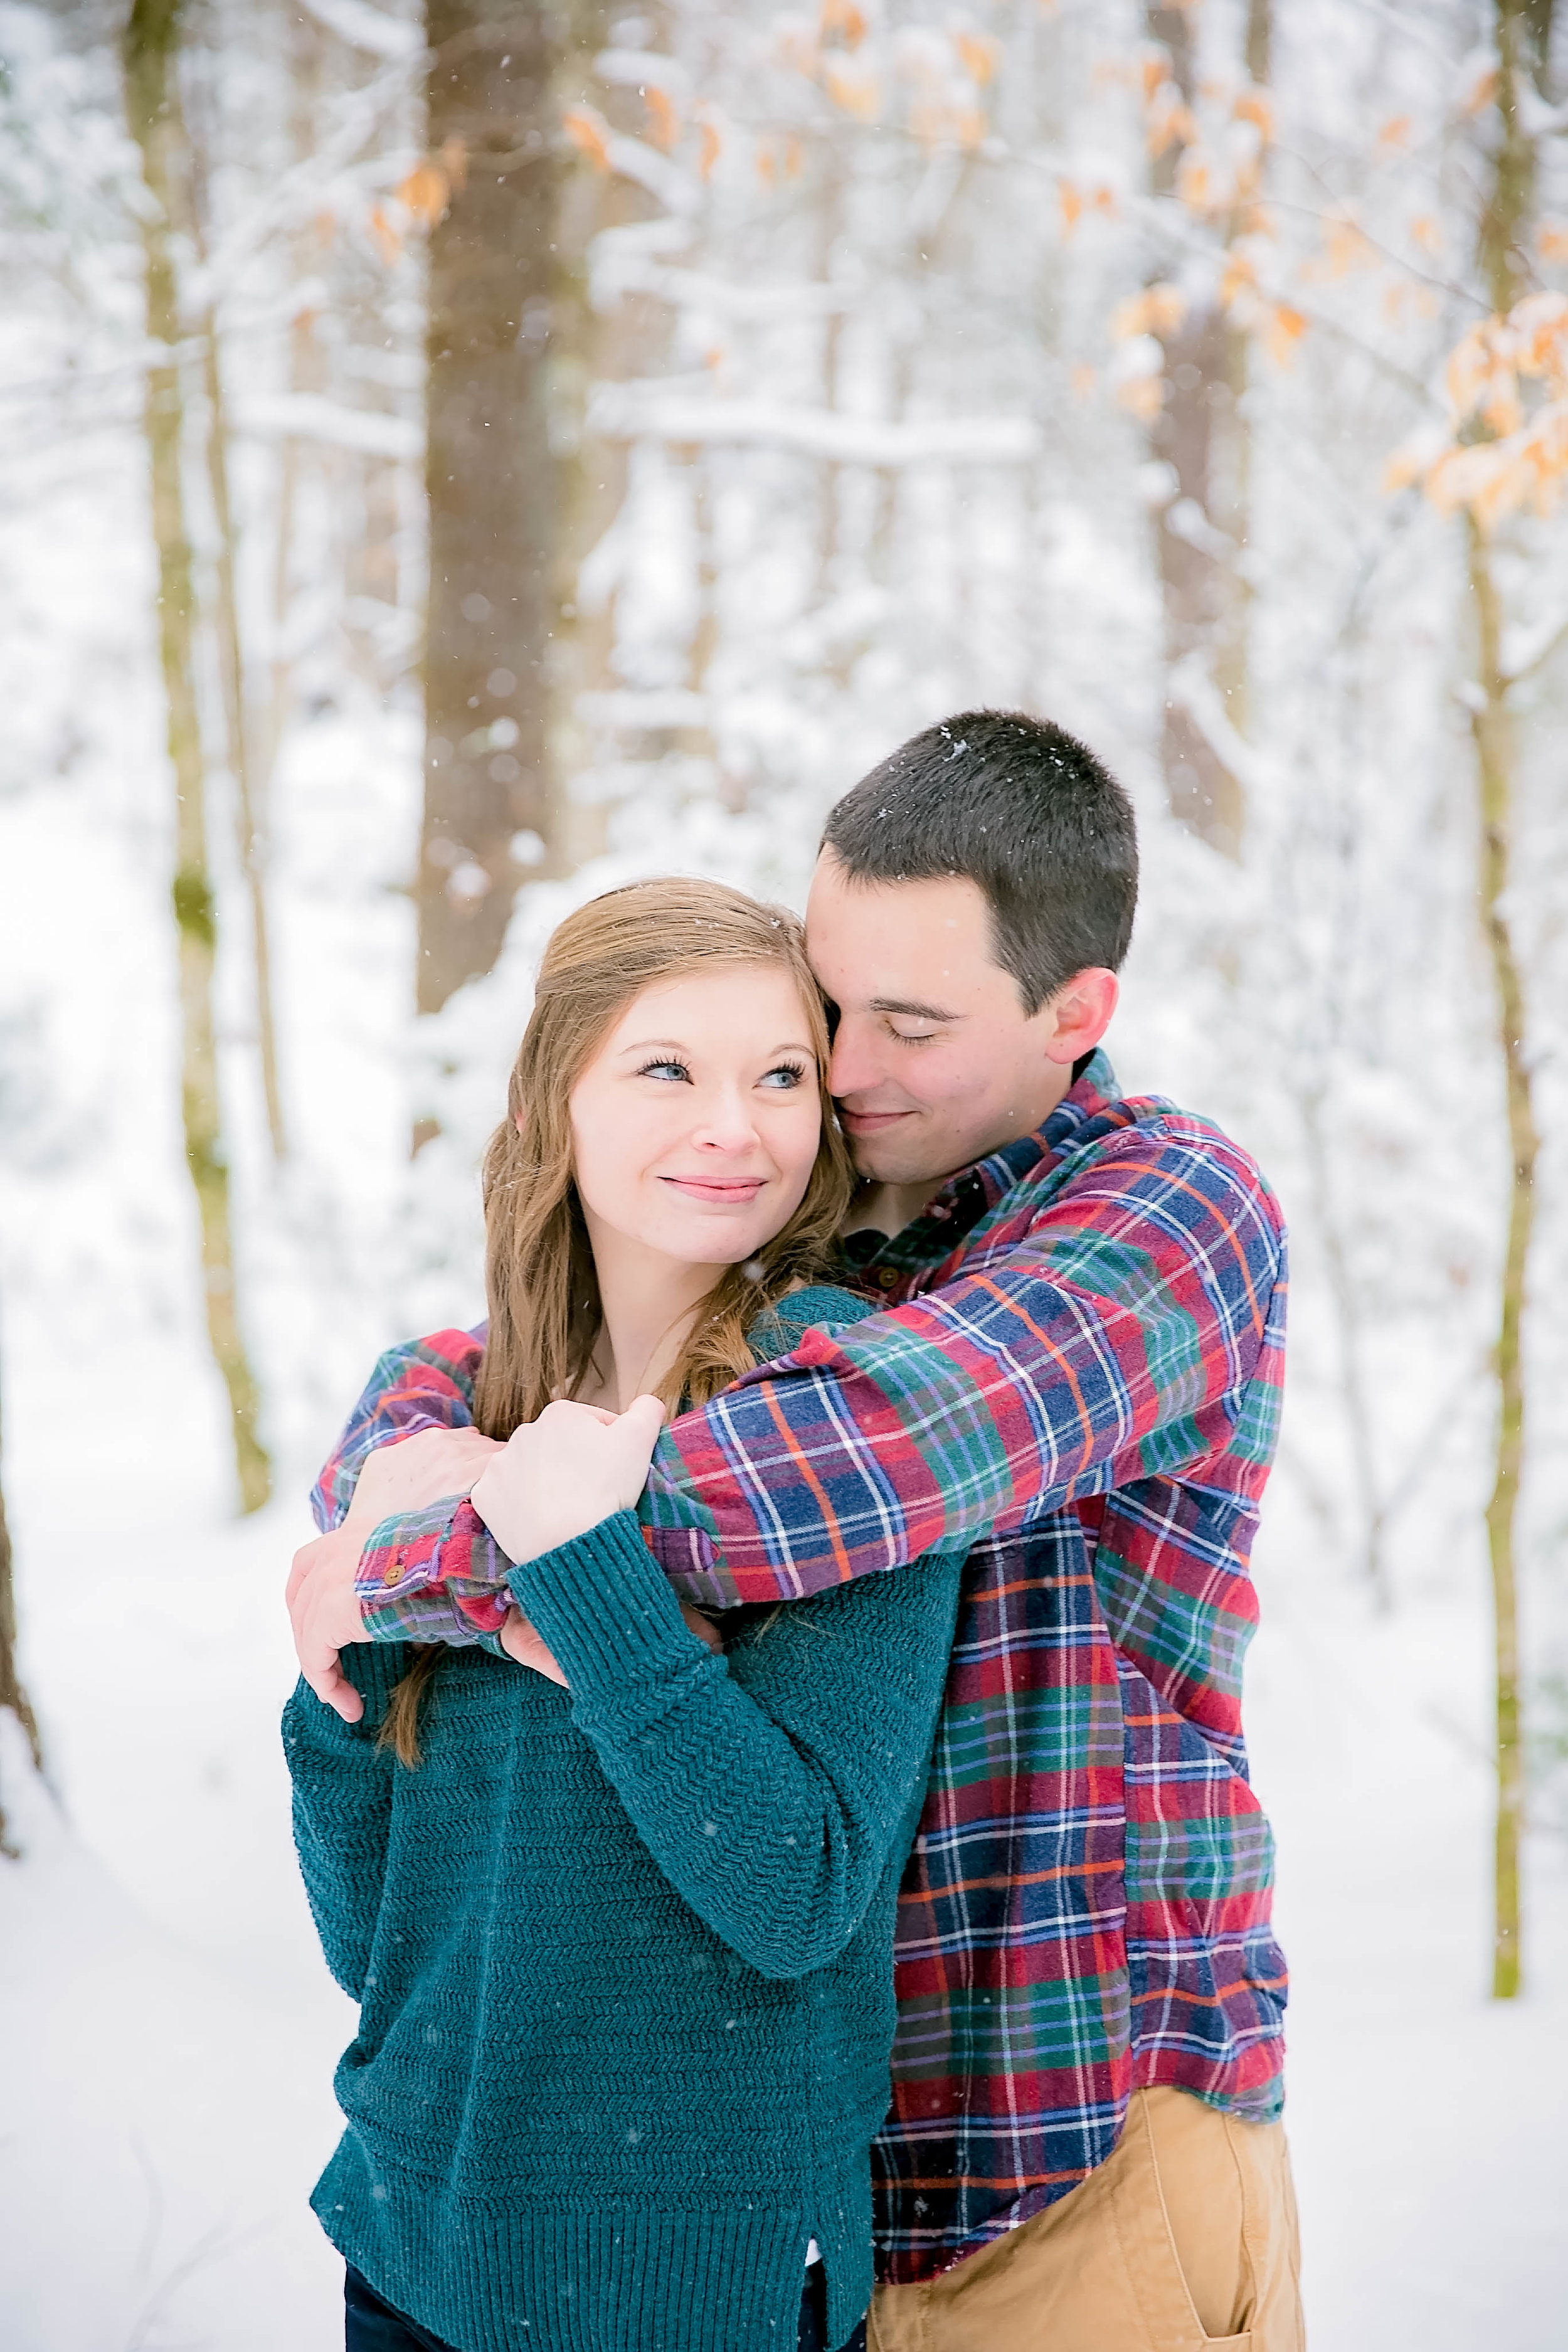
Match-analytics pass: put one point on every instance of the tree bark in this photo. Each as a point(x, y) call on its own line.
point(492, 479)
point(231, 664)
point(1201, 435)
point(151, 49)
point(12, 1694)
point(1523, 35)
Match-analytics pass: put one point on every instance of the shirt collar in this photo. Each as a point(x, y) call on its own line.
point(887, 1262)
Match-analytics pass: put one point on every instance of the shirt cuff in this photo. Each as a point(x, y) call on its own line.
point(604, 1605)
point(433, 1575)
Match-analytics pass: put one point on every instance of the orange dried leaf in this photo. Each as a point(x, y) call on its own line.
point(794, 156)
point(1552, 240)
point(979, 52)
point(1196, 183)
point(854, 89)
point(663, 122)
point(841, 19)
point(1481, 92)
point(454, 160)
point(797, 48)
point(389, 242)
point(1283, 330)
point(1404, 467)
point(1394, 135)
point(1345, 248)
point(1143, 397)
point(1238, 276)
point(589, 133)
point(426, 192)
point(1426, 232)
point(1069, 196)
point(1171, 123)
point(1538, 334)
point(1255, 106)
point(1158, 309)
point(1502, 408)
point(1082, 380)
point(711, 148)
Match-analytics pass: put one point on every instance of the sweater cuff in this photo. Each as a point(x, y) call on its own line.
point(604, 1605)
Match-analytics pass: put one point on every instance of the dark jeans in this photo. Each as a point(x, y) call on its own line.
point(371, 2326)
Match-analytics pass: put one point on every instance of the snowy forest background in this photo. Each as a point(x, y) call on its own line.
point(1197, 375)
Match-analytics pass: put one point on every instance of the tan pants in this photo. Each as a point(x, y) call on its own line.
point(1185, 2237)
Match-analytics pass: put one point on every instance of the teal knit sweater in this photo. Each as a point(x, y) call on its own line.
point(624, 1954)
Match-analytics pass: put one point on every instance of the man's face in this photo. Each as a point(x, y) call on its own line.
point(935, 1062)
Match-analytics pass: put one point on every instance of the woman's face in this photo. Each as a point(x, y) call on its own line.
point(695, 1126)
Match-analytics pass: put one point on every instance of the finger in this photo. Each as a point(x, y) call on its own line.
point(703, 1627)
point(304, 1560)
point(641, 1422)
point(566, 1408)
point(331, 1686)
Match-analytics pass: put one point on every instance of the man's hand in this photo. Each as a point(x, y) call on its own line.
point(325, 1612)
point(560, 1475)
point(407, 1473)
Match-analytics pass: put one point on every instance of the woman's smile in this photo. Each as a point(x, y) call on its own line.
point(721, 1192)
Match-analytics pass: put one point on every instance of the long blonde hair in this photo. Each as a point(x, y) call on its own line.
point(539, 1276)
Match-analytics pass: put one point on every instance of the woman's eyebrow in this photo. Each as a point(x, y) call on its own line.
point(674, 1046)
point(911, 1012)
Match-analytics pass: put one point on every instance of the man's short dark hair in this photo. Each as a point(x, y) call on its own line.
point(1024, 810)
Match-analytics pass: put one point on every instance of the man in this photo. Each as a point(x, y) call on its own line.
point(1078, 1375)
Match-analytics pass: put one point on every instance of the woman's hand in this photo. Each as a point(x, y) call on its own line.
point(407, 1473)
point(520, 1641)
point(560, 1475)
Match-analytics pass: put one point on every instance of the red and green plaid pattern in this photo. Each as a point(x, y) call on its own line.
point(1079, 1379)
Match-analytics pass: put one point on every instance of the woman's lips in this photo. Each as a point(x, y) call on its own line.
point(723, 1196)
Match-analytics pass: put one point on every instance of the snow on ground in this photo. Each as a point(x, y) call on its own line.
point(167, 2033)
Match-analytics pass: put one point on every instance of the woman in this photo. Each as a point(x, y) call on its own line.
point(623, 1949)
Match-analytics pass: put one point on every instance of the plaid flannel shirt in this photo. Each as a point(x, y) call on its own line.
point(1078, 1378)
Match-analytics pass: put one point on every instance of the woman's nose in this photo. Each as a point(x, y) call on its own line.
point(727, 1124)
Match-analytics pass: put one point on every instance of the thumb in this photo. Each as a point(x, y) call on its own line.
point(641, 1424)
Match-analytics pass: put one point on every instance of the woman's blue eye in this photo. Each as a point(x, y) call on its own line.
point(663, 1070)
point(786, 1076)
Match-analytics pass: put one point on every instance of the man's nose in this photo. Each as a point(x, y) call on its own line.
point(855, 1065)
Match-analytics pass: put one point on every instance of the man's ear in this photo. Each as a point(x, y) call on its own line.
point(1078, 1015)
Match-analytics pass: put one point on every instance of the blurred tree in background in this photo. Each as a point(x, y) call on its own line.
point(657, 412)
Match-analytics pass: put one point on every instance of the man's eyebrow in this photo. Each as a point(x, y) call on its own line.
point(912, 1012)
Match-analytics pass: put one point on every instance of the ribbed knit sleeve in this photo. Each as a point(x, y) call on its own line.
point(342, 1808)
point(772, 1785)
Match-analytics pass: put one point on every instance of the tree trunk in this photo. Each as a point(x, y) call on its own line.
point(1523, 34)
point(231, 664)
point(150, 49)
point(12, 1694)
point(1200, 434)
point(492, 479)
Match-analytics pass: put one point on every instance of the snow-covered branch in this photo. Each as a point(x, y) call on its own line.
point(311, 416)
point(629, 412)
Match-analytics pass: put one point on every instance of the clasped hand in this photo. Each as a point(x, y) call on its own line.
point(552, 1480)
point(559, 1475)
